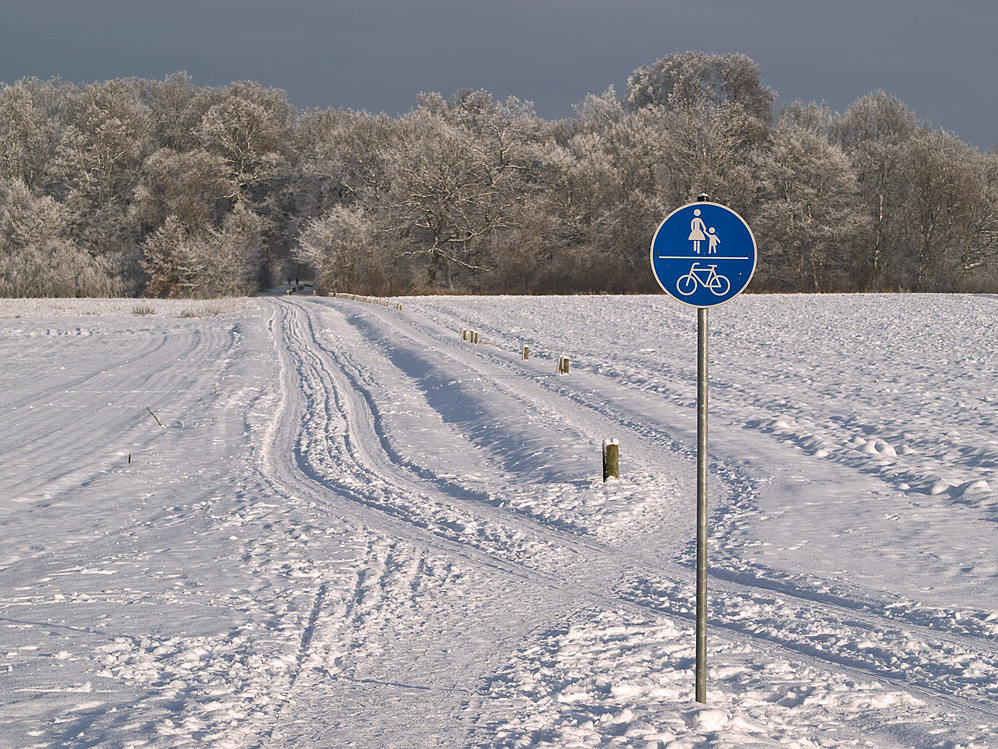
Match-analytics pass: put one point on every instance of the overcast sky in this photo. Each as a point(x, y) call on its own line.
point(940, 58)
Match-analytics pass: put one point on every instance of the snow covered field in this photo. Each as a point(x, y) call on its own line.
point(354, 528)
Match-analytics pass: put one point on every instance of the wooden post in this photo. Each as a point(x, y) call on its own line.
point(611, 459)
point(464, 334)
point(526, 352)
point(563, 365)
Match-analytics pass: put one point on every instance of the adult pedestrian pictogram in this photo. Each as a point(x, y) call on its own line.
point(697, 229)
point(703, 254)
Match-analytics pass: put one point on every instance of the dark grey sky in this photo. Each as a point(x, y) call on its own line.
point(940, 58)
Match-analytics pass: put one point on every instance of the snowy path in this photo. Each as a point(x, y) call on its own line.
point(356, 528)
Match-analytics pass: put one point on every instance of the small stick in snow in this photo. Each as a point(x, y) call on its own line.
point(155, 417)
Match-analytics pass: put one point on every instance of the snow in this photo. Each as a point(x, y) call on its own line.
point(356, 528)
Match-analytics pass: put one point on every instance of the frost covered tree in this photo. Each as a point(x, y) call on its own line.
point(875, 131)
point(809, 214)
point(340, 247)
point(37, 255)
point(344, 158)
point(235, 253)
point(691, 80)
point(432, 180)
point(714, 111)
point(453, 178)
point(249, 129)
point(181, 263)
point(162, 254)
point(99, 160)
point(950, 212)
point(930, 198)
point(29, 130)
point(193, 186)
point(176, 107)
point(603, 191)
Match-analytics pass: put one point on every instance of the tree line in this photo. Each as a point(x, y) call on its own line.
point(135, 187)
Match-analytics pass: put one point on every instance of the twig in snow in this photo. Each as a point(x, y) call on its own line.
point(155, 417)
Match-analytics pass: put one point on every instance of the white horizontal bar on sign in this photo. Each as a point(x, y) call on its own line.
point(699, 257)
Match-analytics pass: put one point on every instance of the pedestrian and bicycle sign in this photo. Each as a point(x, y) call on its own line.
point(703, 254)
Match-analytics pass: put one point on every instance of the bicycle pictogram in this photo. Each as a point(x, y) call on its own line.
point(707, 277)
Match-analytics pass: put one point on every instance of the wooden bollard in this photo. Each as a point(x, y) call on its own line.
point(563, 365)
point(526, 352)
point(464, 334)
point(475, 335)
point(611, 459)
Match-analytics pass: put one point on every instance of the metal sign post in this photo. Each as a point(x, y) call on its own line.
point(701, 627)
point(689, 267)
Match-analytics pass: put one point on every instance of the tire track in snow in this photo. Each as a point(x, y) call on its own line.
point(849, 648)
point(357, 494)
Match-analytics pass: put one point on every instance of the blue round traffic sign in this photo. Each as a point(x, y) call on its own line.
point(703, 254)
